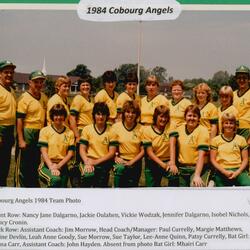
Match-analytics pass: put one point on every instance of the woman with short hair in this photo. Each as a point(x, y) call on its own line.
point(193, 143)
point(62, 86)
point(95, 149)
point(151, 101)
point(126, 136)
point(209, 113)
point(57, 145)
point(226, 97)
point(156, 143)
point(178, 103)
point(229, 155)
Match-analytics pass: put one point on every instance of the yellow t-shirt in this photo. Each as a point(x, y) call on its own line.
point(82, 109)
point(242, 104)
point(123, 97)
point(148, 108)
point(103, 96)
point(190, 144)
point(158, 141)
point(231, 110)
point(97, 143)
point(56, 99)
point(32, 110)
point(209, 115)
point(128, 141)
point(229, 152)
point(7, 107)
point(58, 144)
point(177, 111)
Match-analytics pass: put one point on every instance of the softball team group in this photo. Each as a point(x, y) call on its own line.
point(189, 143)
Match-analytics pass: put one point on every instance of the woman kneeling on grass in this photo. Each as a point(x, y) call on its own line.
point(156, 142)
point(56, 143)
point(229, 155)
point(193, 143)
point(95, 149)
point(127, 137)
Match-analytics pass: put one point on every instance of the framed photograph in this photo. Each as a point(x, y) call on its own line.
point(206, 40)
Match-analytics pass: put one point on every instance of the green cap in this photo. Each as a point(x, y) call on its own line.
point(242, 69)
point(6, 63)
point(36, 74)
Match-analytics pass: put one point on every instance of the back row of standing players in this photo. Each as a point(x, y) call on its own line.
point(117, 131)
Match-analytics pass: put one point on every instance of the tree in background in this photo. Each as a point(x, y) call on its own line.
point(189, 84)
point(122, 71)
point(49, 88)
point(160, 73)
point(81, 70)
point(219, 79)
point(96, 84)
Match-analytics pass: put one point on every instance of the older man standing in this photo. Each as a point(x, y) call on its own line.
point(7, 118)
point(31, 111)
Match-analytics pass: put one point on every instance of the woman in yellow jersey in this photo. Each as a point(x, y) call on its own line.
point(193, 143)
point(108, 94)
point(95, 150)
point(209, 113)
point(81, 107)
point(62, 92)
point(31, 112)
point(127, 137)
point(80, 116)
point(156, 143)
point(56, 142)
point(226, 100)
point(152, 100)
point(178, 103)
point(229, 155)
point(131, 83)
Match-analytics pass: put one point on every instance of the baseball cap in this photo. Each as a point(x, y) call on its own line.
point(36, 74)
point(242, 69)
point(6, 63)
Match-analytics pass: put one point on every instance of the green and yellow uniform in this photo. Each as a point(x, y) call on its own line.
point(57, 99)
point(7, 122)
point(97, 146)
point(231, 110)
point(129, 144)
point(123, 97)
point(229, 157)
point(103, 96)
point(209, 115)
point(7, 106)
point(58, 145)
point(242, 104)
point(189, 145)
point(148, 108)
point(82, 109)
point(177, 110)
point(160, 145)
point(32, 111)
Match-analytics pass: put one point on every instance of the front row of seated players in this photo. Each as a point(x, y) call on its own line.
point(99, 145)
point(120, 147)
